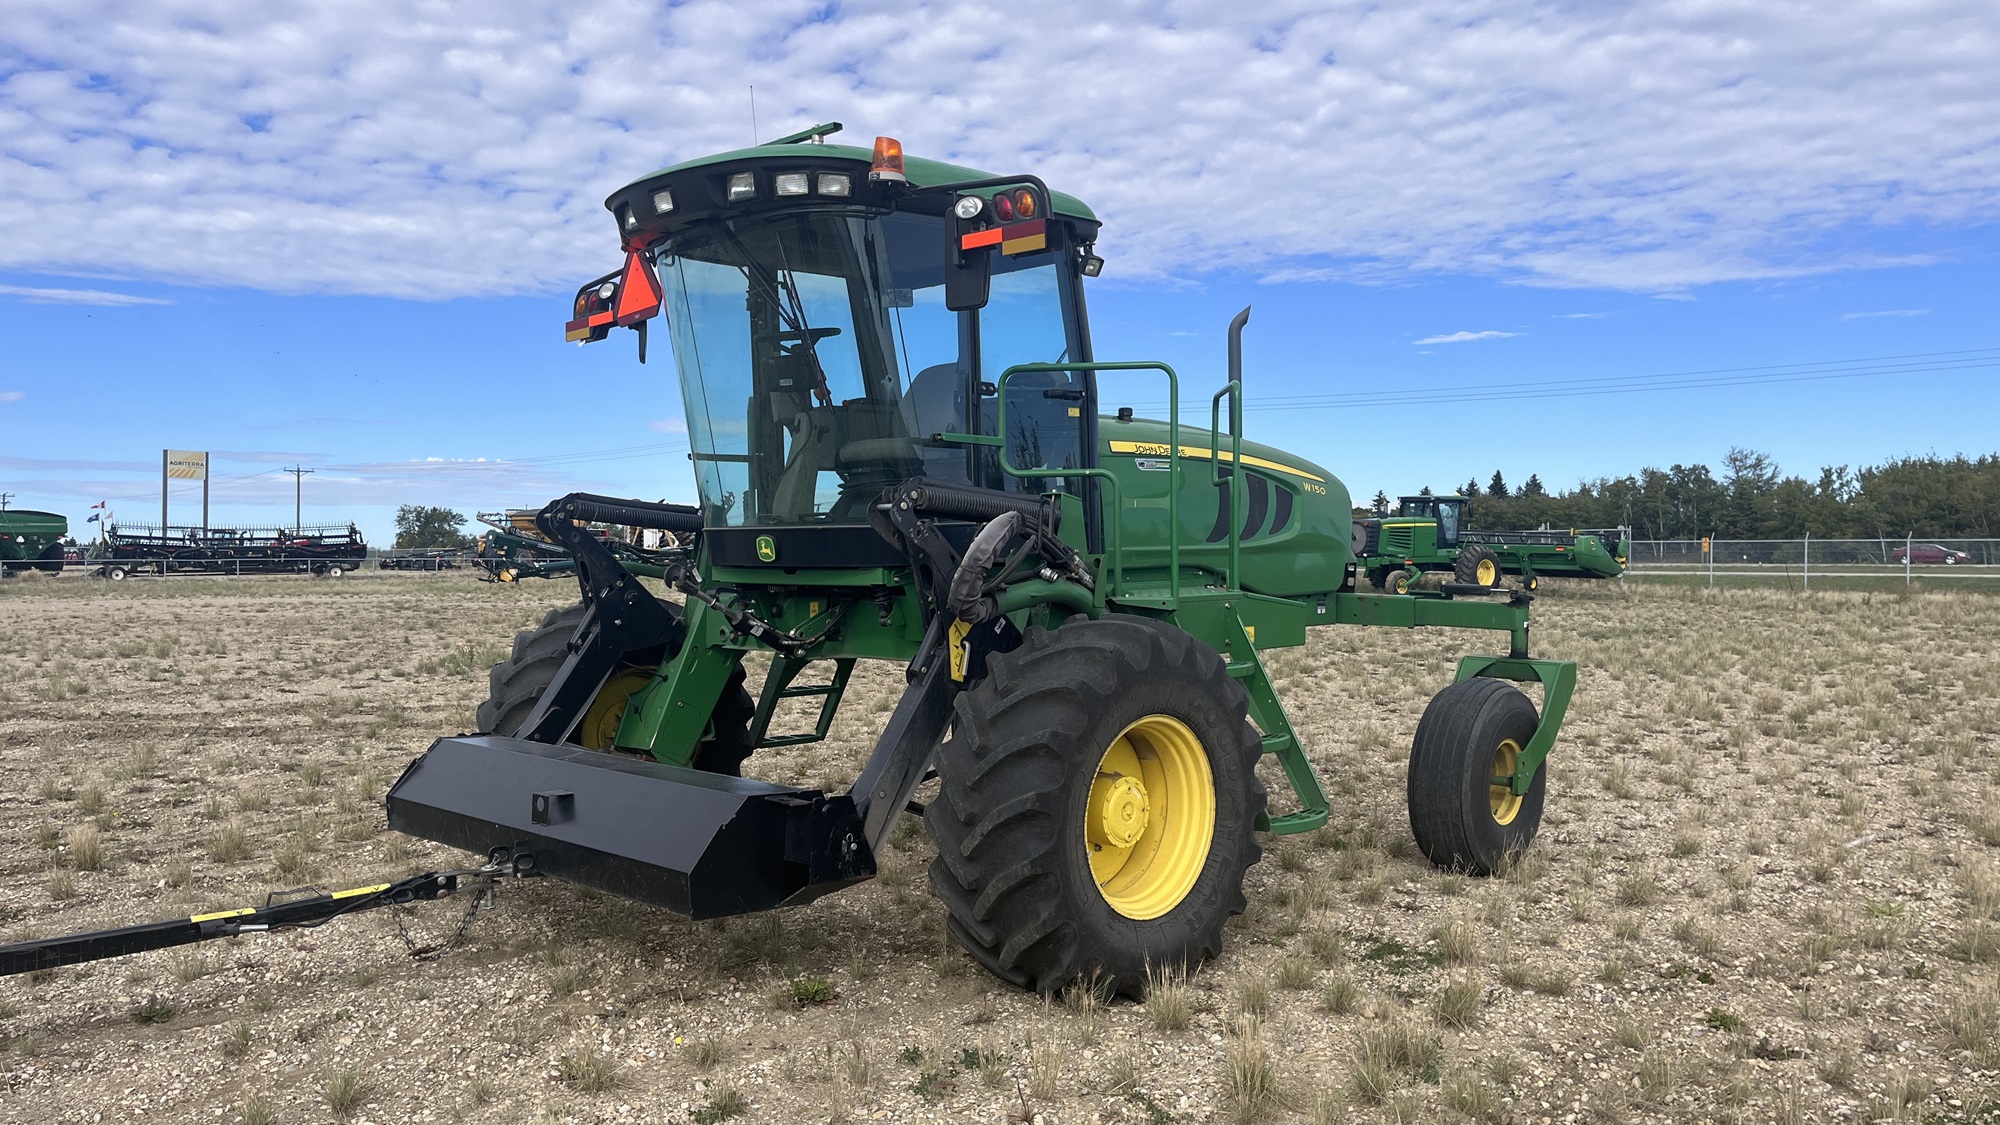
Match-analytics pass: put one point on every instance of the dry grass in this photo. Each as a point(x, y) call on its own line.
point(1771, 822)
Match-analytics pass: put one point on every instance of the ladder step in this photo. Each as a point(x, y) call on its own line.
point(1305, 820)
point(806, 692)
point(787, 740)
point(1279, 743)
point(1242, 671)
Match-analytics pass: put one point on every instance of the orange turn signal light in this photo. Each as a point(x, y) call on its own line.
point(1025, 206)
point(888, 161)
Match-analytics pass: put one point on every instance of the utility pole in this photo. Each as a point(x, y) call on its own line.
point(4, 497)
point(298, 493)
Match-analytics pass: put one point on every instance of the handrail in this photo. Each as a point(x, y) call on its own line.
point(1117, 507)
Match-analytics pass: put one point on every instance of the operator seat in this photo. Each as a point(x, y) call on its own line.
point(935, 404)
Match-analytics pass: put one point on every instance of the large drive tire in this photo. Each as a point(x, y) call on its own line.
point(1054, 868)
point(1472, 732)
point(1479, 566)
point(517, 683)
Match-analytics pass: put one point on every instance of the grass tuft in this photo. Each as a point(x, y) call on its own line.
point(1458, 1002)
point(589, 1070)
point(345, 1093)
point(1249, 1074)
point(1168, 1004)
point(152, 1009)
point(83, 846)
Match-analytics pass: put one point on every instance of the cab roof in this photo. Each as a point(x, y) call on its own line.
point(922, 172)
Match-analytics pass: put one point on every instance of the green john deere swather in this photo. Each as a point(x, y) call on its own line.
point(894, 415)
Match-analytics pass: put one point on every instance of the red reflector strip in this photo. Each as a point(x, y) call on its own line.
point(1026, 245)
point(978, 238)
point(598, 320)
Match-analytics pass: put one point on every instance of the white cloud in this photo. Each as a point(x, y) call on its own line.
point(12, 396)
point(1579, 316)
point(1651, 147)
point(76, 296)
point(1884, 312)
point(1465, 337)
point(668, 426)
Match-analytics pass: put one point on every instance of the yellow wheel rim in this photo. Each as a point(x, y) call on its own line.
point(599, 729)
point(1487, 572)
point(1400, 584)
point(1505, 802)
point(1150, 817)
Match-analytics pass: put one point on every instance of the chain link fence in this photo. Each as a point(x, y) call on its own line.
point(1909, 558)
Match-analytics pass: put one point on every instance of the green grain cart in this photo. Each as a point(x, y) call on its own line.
point(31, 540)
point(1428, 533)
point(906, 450)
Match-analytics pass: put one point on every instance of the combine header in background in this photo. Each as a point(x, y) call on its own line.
point(1428, 533)
point(517, 549)
point(31, 540)
point(327, 551)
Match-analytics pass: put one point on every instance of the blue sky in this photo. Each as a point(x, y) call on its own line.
point(315, 244)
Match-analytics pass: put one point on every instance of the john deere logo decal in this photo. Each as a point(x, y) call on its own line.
point(767, 550)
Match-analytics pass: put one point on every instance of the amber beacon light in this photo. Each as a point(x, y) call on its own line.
point(888, 162)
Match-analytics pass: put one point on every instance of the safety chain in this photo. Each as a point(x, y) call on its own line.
point(483, 897)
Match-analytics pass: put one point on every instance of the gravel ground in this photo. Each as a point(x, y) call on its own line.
point(1765, 890)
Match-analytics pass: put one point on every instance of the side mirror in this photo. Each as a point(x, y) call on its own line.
point(968, 272)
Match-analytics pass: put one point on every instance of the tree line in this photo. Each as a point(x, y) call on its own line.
point(1750, 498)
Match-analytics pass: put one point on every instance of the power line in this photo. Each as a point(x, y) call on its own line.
point(298, 494)
point(1918, 363)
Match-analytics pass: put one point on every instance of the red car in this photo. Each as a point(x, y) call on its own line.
point(1931, 554)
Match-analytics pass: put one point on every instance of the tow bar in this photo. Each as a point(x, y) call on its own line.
point(282, 910)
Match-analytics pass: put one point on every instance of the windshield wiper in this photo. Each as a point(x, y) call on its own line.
point(784, 297)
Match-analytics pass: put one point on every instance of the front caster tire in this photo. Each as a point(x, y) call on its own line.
point(1473, 732)
point(1098, 806)
point(1397, 582)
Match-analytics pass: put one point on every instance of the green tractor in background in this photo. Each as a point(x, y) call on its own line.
point(1428, 533)
point(905, 449)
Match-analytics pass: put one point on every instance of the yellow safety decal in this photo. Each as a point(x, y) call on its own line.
point(1251, 632)
point(221, 914)
point(1159, 449)
point(1076, 411)
point(959, 631)
point(376, 889)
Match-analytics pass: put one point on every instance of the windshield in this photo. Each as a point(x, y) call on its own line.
point(818, 364)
